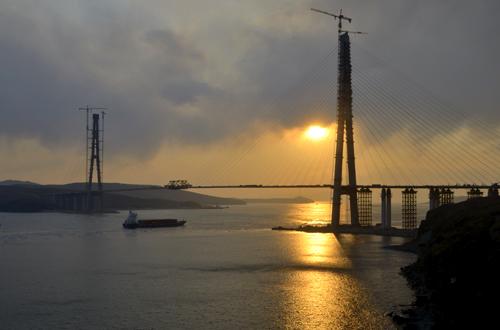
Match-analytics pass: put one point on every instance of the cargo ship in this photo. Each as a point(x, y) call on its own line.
point(132, 223)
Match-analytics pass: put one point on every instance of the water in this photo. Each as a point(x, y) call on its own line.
point(224, 270)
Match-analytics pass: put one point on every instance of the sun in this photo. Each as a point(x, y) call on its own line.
point(316, 133)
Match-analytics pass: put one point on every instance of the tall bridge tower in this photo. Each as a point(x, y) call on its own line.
point(345, 130)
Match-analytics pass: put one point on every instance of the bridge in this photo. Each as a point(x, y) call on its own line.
point(438, 195)
point(359, 195)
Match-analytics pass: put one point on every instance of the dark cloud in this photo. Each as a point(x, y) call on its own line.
point(198, 76)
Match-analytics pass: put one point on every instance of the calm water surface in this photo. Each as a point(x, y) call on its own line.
point(224, 270)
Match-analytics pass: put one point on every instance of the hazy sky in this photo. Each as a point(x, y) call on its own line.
point(220, 91)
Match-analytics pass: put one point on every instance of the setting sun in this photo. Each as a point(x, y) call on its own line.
point(316, 133)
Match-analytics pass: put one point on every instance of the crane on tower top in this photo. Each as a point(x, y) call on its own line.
point(341, 17)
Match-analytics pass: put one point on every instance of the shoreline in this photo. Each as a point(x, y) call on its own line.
point(114, 211)
point(355, 230)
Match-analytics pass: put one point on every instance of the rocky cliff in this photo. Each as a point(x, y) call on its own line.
point(456, 277)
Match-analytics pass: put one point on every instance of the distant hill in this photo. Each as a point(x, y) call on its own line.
point(123, 202)
point(17, 183)
point(21, 196)
point(157, 193)
point(26, 198)
point(182, 195)
point(106, 186)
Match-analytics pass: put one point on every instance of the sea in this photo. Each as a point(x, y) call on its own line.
point(224, 270)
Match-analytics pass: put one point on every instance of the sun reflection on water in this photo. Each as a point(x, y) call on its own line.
point(317, 213)
point(322, 250)
point(321, 292)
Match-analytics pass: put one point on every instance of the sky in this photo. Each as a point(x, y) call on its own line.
point(221, 91)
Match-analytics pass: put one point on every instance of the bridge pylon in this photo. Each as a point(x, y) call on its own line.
point(94, 160)
point(344, 127)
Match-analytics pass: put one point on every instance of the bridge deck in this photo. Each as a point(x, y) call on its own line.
point(298, 186)
point(303, 186)
point(330, 186)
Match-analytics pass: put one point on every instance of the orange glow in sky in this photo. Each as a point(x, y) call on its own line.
point(316, 132)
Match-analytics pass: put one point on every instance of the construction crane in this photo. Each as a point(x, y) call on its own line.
point(341, 17)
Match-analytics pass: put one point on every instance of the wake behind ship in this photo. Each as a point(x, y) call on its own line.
point(132, 222)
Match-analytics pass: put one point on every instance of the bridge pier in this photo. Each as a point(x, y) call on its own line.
point(365, 213)
point(56, 201)
point(409, 208)
point(446, 196)
point(386, 197)
point(383, 207)
point(69, 203)
point(493, 191)
point(433, 198)
point(474, 193)
point(388, 214)
point(79, 203)
point(63, 202)
point(76, 202)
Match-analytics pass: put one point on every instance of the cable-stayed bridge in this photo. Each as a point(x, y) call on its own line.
point(405, 135)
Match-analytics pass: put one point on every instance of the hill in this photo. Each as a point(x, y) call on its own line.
point(157, 193)
point(17, 183)
point(182, 195)
point(31, 197)
point(456, 273)
point(26, 198)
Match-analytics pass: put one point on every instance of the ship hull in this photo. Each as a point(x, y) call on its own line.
point(157, 223)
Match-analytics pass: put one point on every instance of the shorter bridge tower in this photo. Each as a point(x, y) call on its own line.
point(94, 160)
